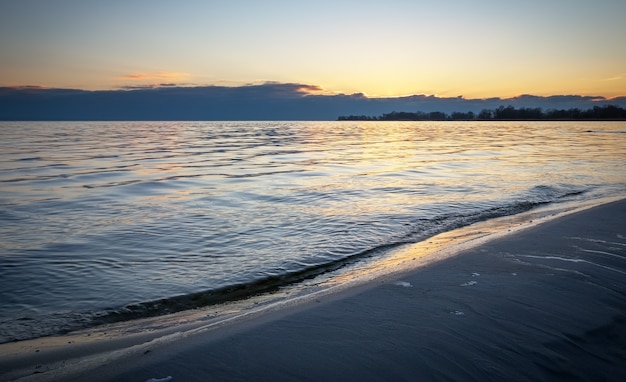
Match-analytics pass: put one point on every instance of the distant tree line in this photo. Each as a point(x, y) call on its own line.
point(502, 113)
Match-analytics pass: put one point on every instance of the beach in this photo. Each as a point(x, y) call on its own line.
point(545, 303)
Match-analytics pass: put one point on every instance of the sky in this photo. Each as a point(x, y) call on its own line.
point(447, 48)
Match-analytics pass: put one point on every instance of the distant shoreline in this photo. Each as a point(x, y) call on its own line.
point(509, 113)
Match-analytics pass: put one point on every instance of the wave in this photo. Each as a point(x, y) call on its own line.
point(63, 323)
point(537, 196)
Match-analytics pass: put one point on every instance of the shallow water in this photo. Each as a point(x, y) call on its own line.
point(115, 219)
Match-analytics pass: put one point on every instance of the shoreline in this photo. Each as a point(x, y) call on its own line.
point(64, 356)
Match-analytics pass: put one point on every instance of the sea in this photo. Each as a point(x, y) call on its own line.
point(110, 221)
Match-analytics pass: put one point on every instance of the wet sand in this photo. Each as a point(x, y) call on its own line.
point(547, 303)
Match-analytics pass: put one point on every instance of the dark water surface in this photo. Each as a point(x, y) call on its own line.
point(112, 220)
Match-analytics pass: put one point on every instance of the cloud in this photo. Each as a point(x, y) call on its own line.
point(157, 76)
point(135, 87)
point(617, 77)
point(148, 86)
point(266, 101)
point(310, 89)
point(26, 88)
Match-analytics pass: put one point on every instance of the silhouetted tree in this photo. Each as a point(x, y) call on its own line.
point(509, 113)
point(485, 114)
point(570, 114)
point(458, 116)
point(502, 112)
point(437, 116)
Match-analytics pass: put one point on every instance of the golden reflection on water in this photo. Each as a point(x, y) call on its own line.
point(472, 158)
point(410, 257)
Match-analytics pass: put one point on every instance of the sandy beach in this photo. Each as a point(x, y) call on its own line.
point(546, 303)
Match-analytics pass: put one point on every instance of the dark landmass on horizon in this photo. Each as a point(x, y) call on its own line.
point(509, 113)
point(269, 101)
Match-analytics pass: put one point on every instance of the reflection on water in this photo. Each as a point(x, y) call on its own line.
point(104, 214)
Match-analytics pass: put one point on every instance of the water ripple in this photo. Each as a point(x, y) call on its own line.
point(101, 216)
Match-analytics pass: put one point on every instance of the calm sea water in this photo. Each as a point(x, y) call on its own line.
point(102, 220)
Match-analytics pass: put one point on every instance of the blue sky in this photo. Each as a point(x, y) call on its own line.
point(381, 48)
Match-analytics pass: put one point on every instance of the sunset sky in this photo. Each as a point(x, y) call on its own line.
point(477, 49)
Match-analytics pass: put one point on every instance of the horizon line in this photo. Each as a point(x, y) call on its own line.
point(304, 89)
